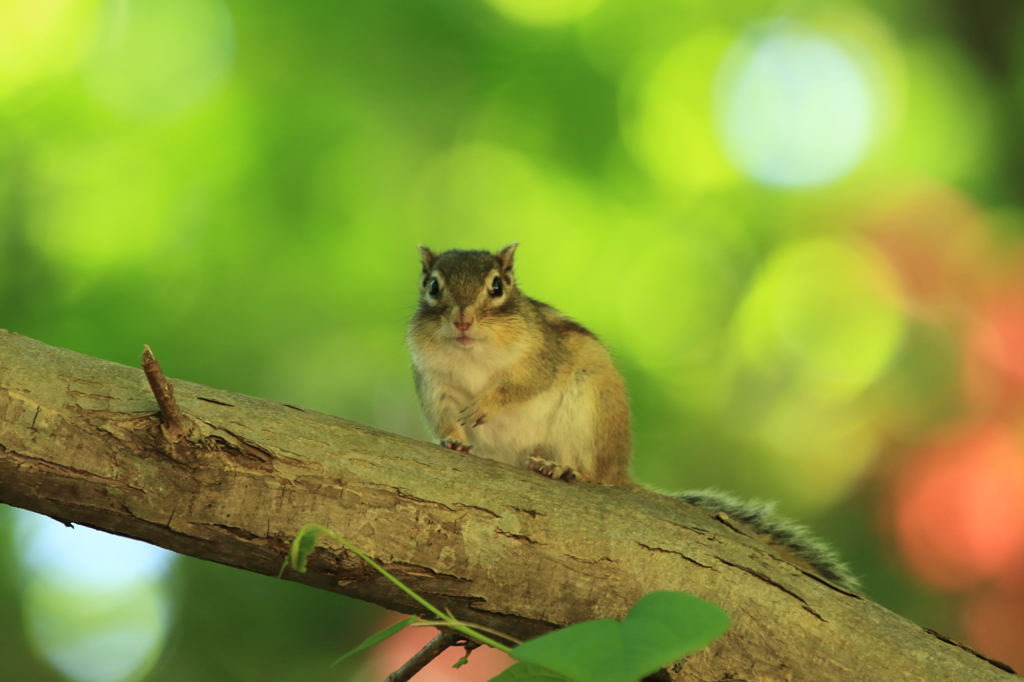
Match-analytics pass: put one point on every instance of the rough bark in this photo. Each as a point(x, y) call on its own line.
point(81, 440)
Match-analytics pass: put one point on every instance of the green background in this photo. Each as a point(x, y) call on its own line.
point(242, 186)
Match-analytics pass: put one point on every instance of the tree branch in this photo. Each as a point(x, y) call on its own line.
point(424, 656)
point(81, 440)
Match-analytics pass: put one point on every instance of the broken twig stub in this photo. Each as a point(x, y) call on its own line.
point(170, 414)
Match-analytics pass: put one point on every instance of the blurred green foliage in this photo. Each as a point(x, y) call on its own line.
point(242, 186)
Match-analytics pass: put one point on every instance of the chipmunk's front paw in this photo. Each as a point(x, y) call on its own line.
point(472, 416)
point(552, 470)
point(457, 445)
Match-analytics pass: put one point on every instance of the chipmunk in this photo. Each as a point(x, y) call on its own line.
point(506, 377)
point(510, 378)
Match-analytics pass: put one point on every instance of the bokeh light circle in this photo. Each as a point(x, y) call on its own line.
point(993, 361)
point(157, 57)
point(828, 308)
point(86, 558)
point(96, 605)
point(669, 115)
point(39, 39)
point(959, 508)
point(795, 108)
point(98, 636)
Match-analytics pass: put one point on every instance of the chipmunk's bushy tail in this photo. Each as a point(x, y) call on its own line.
point(784, 534)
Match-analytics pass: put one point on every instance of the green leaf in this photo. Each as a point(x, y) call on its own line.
point(660, 629)
point(378, 638)
point(302, 546)
point(527, 672)
point(461, 662)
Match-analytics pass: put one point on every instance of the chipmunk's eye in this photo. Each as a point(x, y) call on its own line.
point(434, 288)
point(496, 289)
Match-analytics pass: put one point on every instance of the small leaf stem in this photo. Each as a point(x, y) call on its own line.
point(449, 621)
point(474, 626)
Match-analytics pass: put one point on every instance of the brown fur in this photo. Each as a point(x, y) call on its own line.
point(524, 380)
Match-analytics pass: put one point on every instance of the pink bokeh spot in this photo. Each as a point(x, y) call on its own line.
point(1000, 338)
point(390, 655)
point(959, 508)
point(994, 350)
point(994, 622)
point(935, 239)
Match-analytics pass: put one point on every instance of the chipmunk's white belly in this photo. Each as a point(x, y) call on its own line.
point(515, 432)
point(551, 425)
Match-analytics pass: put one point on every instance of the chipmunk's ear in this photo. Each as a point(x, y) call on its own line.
point(427, 257)
point(505, 257)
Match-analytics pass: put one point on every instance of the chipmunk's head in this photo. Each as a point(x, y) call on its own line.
point(468, 297)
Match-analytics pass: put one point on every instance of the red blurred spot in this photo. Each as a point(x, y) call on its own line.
point(994, 360)
point(934, 238)
point(959, 508)
point(388, 656)
point(994, 622)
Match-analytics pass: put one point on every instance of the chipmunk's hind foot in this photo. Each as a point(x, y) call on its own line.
point(457, 445)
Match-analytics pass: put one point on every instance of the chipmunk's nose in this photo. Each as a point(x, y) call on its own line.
point(462, 319)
